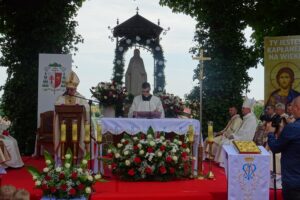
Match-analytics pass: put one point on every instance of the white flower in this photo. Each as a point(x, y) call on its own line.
point(121, 48)
point(152, 143)
point(123, 140)
point(127, 162)
point(126, 153)
point(38, 183)
point(175, 158)
point(141, 152)
point(67, 165)
point(175, 140)
point(187, 150)
point(90, 178)
point(128, 41)
point(164, 143)
point(137, 38)
point(48, 162)
point(58, 169)
point(84, 161)
point(98, 176)
point(159, 153)
point(119, 62)
point(149, 136)
point(88, 190)
point(117, 155)
point(68, 156)
point(109, 166)
point(109, 151)
point(119, 145)
point(79, 170)
point(139, 146)
point(135, 138)
point(105, 97)
point(34, 178)
point(179, 143)
point(148, 41)
point(157, 48)
point(162, 138)
point(46, 169)
point(173, 150)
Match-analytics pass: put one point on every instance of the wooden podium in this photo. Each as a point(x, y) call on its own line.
point(68, 113)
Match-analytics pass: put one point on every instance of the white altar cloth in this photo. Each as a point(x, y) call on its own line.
point(248, 175)
point(133, 126)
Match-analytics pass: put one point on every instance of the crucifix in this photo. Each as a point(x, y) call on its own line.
point(201, 59)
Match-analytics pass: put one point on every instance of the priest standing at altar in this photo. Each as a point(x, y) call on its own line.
point(71, 97)
point(146, 102)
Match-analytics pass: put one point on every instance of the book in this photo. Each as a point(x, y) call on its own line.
point(246, 147)
point(148, 114)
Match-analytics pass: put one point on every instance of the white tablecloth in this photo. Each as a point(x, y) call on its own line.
point(248, 175)
point(133, 126)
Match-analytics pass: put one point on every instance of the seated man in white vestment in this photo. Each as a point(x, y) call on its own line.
point(11, 145)
point(71, 97)
point(232, 126)
point(245, 132)
point(146, 102)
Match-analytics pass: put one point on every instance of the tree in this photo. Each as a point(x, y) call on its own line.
point(219, 31)
point(28, 28)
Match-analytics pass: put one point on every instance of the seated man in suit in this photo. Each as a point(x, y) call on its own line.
point(146, 102)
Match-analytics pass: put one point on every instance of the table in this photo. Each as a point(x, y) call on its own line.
point(133, 126)
point(248, 175)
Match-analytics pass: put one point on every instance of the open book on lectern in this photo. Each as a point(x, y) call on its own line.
point(148, 114)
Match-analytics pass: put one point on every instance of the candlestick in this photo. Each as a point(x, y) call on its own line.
point(210, 132)
point(74, 131)
point(87, 133)
point(63, 132)
point(99, 133)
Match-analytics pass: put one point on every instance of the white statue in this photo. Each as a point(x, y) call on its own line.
point(135, 74)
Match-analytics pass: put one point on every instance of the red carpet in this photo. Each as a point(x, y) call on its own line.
point(114, 189)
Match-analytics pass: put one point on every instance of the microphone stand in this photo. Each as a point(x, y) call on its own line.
point(90, 101)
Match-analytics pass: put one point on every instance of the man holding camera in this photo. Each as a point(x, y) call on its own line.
point(288, 143)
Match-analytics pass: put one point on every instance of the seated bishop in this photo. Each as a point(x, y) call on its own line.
point(71, 97)
point(146, 103)
point(245, 132)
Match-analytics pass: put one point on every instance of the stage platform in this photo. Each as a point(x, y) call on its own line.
point(122, 190)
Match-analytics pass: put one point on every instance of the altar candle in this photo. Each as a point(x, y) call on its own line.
point(99, 133)
point(74, 131)
point(87, 133)
point(210, 132)
point(63, 132)
point(191, 133)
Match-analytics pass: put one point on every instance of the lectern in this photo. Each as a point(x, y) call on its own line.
point(69, 113)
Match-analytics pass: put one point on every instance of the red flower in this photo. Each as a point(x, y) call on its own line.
point(80, 186)
point(109, 155)
point(63, 187)
point(184, 154)
point(47, 178)
point(137, 160)
point(53, 189)
point(74, 175)
point(72, 192)
point(162, 147)
point(172, 170)
point(148, 170)
point(184, 145)
point(61, 176)
point(131, 172)
point(162, 170)
point(126, 142)
point(44, 187)
point(135, 147)
point(113, 165)
point(150, 150)
point(168, 159)
point(5, 132)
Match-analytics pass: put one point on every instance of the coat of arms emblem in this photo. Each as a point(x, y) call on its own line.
point(54, 77)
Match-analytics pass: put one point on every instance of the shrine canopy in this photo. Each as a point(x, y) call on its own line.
point(137, 25)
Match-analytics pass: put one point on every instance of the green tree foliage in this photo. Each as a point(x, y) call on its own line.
point(219, 31)
point(28, 28)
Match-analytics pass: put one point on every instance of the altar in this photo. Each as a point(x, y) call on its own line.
point(248, 175)
point(133, 126)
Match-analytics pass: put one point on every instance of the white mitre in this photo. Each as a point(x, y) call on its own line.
point(248, 103)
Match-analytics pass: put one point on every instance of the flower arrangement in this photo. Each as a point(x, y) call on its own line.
point(66, 181)
point(109, 93)
point(173, 105)
point(145, 157)
point(195, 108)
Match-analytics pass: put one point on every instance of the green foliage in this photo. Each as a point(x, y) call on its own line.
point(258, 110)
point(28, 28)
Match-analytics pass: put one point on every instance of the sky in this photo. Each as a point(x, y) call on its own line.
point(93, 62)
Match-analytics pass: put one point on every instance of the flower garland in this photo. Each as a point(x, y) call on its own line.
point(173, 105)
point(145, 157)
point(157, 51)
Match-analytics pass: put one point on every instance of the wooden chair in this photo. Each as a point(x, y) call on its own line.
point(45, 133)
